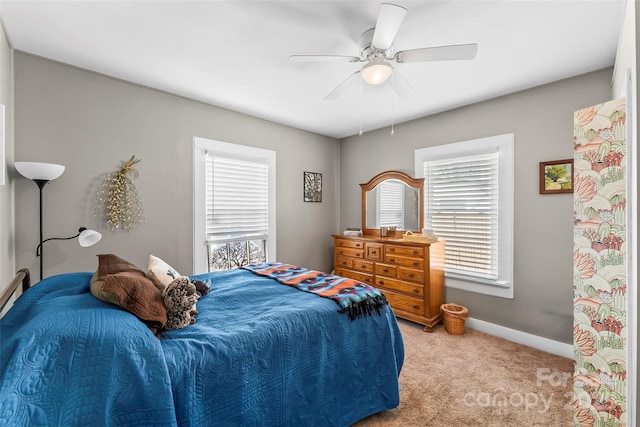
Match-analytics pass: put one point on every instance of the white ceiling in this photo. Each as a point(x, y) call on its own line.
point(234, 54)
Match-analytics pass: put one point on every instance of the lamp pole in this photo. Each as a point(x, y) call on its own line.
point(41, 174)
point(41, 183)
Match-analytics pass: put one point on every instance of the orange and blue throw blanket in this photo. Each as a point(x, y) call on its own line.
point(353, 297)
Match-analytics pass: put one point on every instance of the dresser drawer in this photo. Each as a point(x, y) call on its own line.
point(355, 253)
point(405, 262)
point(406, 303)
point(386, 270)
point(408, 251)
point(400, 286)
point(343, 262)
point(345, 243)
point(362, 265)
point(360, 277)
point(409, 274)
point(374, 251)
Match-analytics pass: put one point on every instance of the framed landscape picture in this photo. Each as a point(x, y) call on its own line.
point(556, 176)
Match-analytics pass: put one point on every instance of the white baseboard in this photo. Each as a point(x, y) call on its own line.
point(535, 341)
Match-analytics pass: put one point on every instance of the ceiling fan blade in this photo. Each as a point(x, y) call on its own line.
point(323, 58)
point(439, 53)
point(401, 85)
point(390, 18)
point(342, 87)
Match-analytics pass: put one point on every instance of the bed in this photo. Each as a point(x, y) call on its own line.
point(260, 354)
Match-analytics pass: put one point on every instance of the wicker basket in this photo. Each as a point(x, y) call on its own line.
point(454, 318)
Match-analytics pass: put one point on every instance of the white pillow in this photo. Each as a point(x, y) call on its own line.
point(161, 273)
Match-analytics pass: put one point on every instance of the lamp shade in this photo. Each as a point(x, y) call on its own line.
point(38, 170)
point(376, 72)
point(89, 238)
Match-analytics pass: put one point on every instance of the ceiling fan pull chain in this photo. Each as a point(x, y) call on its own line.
point(360, 133)
point(392, 110)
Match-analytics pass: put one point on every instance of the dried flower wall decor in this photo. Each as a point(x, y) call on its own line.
point(118, 202)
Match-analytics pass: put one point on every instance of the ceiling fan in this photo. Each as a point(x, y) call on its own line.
point(376, 51)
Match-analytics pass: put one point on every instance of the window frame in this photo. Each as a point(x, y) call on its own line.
point(502, 286)
point(200, 147)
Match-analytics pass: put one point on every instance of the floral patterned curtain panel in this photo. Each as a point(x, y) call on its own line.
point(600, 271)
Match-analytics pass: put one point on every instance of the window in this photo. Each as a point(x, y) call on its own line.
point(234, 205)
point(469, 204)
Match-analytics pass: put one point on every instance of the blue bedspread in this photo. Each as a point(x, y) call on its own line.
point(260, 354)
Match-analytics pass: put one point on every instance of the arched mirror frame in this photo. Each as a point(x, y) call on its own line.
point(400, 176)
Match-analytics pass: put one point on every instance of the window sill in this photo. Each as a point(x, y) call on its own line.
point(497, 288)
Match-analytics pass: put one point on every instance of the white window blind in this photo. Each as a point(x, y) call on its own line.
point(468, 200)
point(391, 194)
point(237, 198)
point(234, 204)
point(462, 203)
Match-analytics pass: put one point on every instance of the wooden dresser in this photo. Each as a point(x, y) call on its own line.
point(410, 274)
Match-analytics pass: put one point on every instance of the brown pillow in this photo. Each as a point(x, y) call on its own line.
point(119, 282)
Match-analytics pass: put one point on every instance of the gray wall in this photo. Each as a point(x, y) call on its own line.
point(542, 122)
point(7, 265)
point(91, 123)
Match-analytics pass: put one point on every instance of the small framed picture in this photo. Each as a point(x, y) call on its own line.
point(312, 187)
point(556, 177)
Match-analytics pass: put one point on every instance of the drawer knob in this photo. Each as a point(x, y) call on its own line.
point(416, 263)
point(415, 290)
point(385, 270)
point(415, 307)
point(380, 282)
point(410, 274)
point(392, 249)
point(392, 259)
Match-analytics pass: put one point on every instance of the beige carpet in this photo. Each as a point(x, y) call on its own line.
point(477, 379)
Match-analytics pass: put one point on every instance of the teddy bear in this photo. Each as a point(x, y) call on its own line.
point(202, 288)
point(180, 301)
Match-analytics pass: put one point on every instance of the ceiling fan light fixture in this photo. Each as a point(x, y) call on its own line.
point(376, 72)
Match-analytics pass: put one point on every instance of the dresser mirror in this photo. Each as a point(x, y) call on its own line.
point(392, 199)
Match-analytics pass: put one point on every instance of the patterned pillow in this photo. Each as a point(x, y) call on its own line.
point(161, 273)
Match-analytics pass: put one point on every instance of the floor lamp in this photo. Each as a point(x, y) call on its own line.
point(41, 174)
